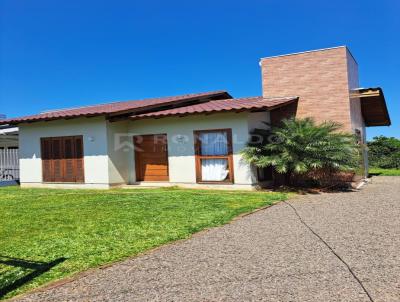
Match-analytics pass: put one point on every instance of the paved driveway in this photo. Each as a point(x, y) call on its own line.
point(328, 247)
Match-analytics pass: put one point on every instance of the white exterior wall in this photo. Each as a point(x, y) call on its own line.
point(109, 151)
point(94, 148)
point(181, 157)
point(257, 120)
point(118, 152)
point(357, 120)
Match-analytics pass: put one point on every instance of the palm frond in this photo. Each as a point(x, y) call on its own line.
point(300, 146)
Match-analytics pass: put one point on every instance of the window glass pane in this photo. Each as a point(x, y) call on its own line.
point(214, 169)
point(214, 143)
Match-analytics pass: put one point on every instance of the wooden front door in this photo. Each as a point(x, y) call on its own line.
point(151, 157)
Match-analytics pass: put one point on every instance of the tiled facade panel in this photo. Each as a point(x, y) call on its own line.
point(319, 78)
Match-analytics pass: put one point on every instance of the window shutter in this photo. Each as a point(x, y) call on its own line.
point(62, 159)
point(79, 174)
point(69, 159)
point(58, 161)
point(47, 160)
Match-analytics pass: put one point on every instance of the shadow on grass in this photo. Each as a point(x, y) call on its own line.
point(315, 190)
point(374, 174)
point(24, 272)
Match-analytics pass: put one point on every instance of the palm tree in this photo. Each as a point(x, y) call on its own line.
point(300, 146)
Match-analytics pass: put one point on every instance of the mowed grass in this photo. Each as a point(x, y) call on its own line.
point(89, 228)
point(384, 172)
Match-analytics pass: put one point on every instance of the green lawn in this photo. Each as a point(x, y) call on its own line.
point(384, 172)
point(73, 230)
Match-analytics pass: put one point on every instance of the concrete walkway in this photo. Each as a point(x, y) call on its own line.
point(325, 247)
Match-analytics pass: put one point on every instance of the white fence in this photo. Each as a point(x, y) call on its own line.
point(9, 165)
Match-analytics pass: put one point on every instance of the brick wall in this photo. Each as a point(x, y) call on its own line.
point(320, 78)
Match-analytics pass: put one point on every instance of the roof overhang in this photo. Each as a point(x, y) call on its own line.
point(8, 130)
point(373, 106)
point(8, 135)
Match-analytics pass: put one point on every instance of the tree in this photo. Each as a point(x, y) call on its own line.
point(300, 146)
point(384, 152)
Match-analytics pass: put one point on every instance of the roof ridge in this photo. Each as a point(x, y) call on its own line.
point(257, 97)
point(114, 108)
point(239, 104)
point(127, 101)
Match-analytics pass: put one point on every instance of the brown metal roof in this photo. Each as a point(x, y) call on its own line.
point(250, 103)
point(118, 108)
point(373, 106)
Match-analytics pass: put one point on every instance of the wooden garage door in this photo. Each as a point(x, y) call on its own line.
point(151, 157)
point(62, 159)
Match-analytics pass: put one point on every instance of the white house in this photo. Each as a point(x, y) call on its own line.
point(192, 140)
point(99, 151)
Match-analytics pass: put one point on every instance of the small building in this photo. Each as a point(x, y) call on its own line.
point(9, 163)
point(8, 137)
point(193, 140)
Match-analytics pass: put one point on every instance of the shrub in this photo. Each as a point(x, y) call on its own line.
point(384, 152)
point(300, 147)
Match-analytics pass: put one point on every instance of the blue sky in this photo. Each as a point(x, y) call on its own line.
point(56, 54)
